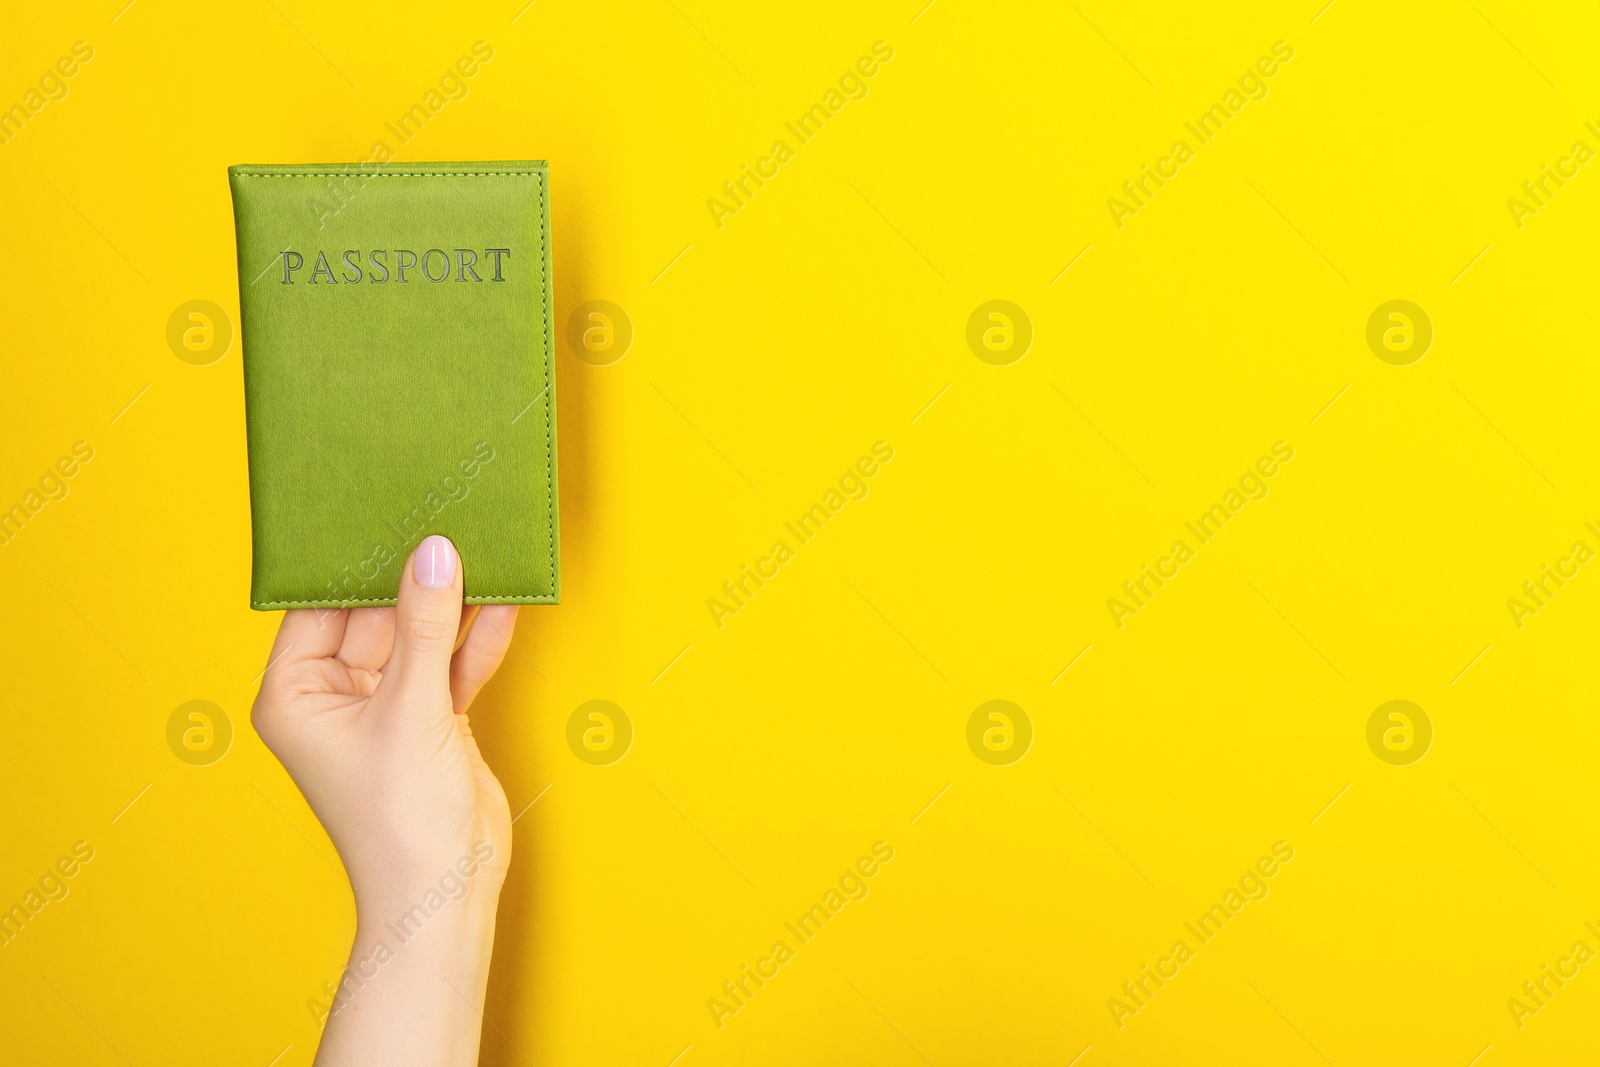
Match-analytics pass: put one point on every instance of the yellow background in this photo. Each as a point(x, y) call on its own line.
point(826, 715)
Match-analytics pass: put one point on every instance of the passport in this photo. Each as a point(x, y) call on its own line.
point(398, 377)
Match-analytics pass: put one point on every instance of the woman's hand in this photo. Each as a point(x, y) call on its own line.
point(366, 709)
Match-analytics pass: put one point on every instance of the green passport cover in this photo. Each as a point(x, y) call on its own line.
point(398, 375)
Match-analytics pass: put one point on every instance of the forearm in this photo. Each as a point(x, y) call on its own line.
point(366, 708)
point(413, 989)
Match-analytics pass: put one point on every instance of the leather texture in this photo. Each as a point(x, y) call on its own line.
point(387, 400)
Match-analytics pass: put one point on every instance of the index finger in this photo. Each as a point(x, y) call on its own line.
point(307, 633)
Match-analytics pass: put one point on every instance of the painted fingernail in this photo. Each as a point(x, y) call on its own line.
point(435, 564)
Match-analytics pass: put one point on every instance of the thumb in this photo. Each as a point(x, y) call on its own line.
point(427, 616)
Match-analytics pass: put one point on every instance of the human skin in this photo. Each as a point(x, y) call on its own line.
point(366, 709)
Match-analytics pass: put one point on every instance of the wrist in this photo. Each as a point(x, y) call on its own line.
point(426, 919)
point(392, 885)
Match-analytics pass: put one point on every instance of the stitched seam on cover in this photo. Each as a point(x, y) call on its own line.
point(390, 600)
point(549, 378)
point(400, 174)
